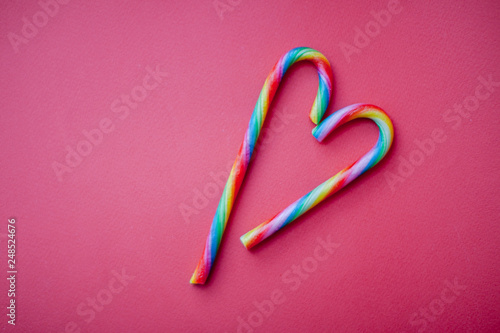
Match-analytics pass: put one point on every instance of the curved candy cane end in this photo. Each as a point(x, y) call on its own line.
point(318, 134)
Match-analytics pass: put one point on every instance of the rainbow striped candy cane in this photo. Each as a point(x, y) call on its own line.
point(254, 127)
point(341, 179)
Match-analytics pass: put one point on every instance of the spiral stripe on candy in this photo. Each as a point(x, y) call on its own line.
point(341, 179)
point(246, 149)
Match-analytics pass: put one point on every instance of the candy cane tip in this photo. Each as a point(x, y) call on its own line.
point(314, 119)
point(317, 134)
point(197, 278)
point(244, 240)
point(195, 282)
point(192, 280)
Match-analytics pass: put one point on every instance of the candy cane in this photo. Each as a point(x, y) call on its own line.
point(245, 152)
point(341, 179)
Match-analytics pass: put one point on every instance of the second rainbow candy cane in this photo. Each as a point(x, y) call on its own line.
point(341, 179)
point(240, 165)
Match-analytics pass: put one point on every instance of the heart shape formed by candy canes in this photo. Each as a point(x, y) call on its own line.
point(321, 192)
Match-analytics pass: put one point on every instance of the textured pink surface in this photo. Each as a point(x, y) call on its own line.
point(413, 247)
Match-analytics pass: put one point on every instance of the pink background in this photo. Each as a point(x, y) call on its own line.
point(126, 207)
